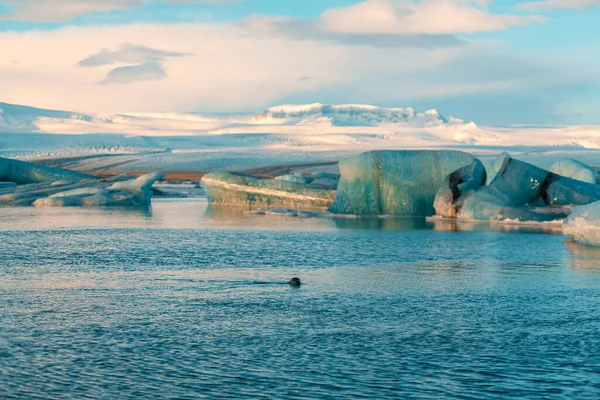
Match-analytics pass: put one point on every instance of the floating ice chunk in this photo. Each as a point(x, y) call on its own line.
point(21, 172)
point(235, 189)
point(394, 182)
point(139, 185)
point(296, 178)
point(88, 191)
point(39, 191)
point(119, 178)
point(495, 166)
point(524, 192)
point(461, 181)
point(104, 198)
point(583, 225)
point(574, 169)
point(74, 200)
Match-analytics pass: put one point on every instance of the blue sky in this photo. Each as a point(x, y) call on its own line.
point(494, 62)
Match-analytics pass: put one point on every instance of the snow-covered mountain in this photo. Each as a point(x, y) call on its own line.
point(348, 115)
point(299, 124)
point(279, 135)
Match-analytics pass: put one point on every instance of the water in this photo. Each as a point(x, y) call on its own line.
point(186, 302)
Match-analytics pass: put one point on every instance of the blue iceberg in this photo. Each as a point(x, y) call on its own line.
point(493, 168)
point(524, 192)
point(574, 169)
point(235, 189)
point(33, 185)
point(402, 183)
point(456, 185)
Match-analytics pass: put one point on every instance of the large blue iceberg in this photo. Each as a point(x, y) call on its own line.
point(523, 192)
point(402, 183)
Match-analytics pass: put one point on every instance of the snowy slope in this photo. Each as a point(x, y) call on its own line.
point(279, 135)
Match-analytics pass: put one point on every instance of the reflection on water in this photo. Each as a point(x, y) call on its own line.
point(198, 214)
point(384, 223)
point(583, 258)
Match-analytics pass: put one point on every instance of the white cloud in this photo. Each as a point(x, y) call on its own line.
point(225, 69)
point(559, 4)
point(424, 17)
point(392, 23)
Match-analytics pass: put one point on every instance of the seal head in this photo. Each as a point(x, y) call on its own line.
point(295, 282)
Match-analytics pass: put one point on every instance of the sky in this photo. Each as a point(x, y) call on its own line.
point(497, 62)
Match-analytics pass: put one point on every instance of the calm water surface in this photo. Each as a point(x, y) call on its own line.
point(184, 302)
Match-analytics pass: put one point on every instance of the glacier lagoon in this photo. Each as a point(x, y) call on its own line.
point(185, 300)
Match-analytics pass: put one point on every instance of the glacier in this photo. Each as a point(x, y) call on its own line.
point(235, 189)
point(575, 169)
point(402, 183)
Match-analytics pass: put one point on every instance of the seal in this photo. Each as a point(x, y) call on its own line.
point(295, 282)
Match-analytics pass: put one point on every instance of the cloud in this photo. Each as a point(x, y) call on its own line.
point(67, 10)
point(229, 70)
point(436, 17)
point(148, 63)
point(559, 5)
point(150, 71)
point(311, 30)
point(391, 23)
point(60, 10)
point(127, 54)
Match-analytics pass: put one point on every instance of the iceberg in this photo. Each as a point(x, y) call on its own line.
point(236, 189)
point(524, 192)
point(495, 166)
point(461, 181)
point(402, 183)
point(574, 169)
point(583, 225)
point(29, 184)
point(21, 172)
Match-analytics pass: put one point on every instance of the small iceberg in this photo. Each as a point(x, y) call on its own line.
point(39, 186)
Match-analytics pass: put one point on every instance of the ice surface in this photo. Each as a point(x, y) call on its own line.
point(457, 184)
point(574, 169)
point(524, 192)
point(583, 225)
point(249, 191)
point(394, 182)
point(494, 167)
